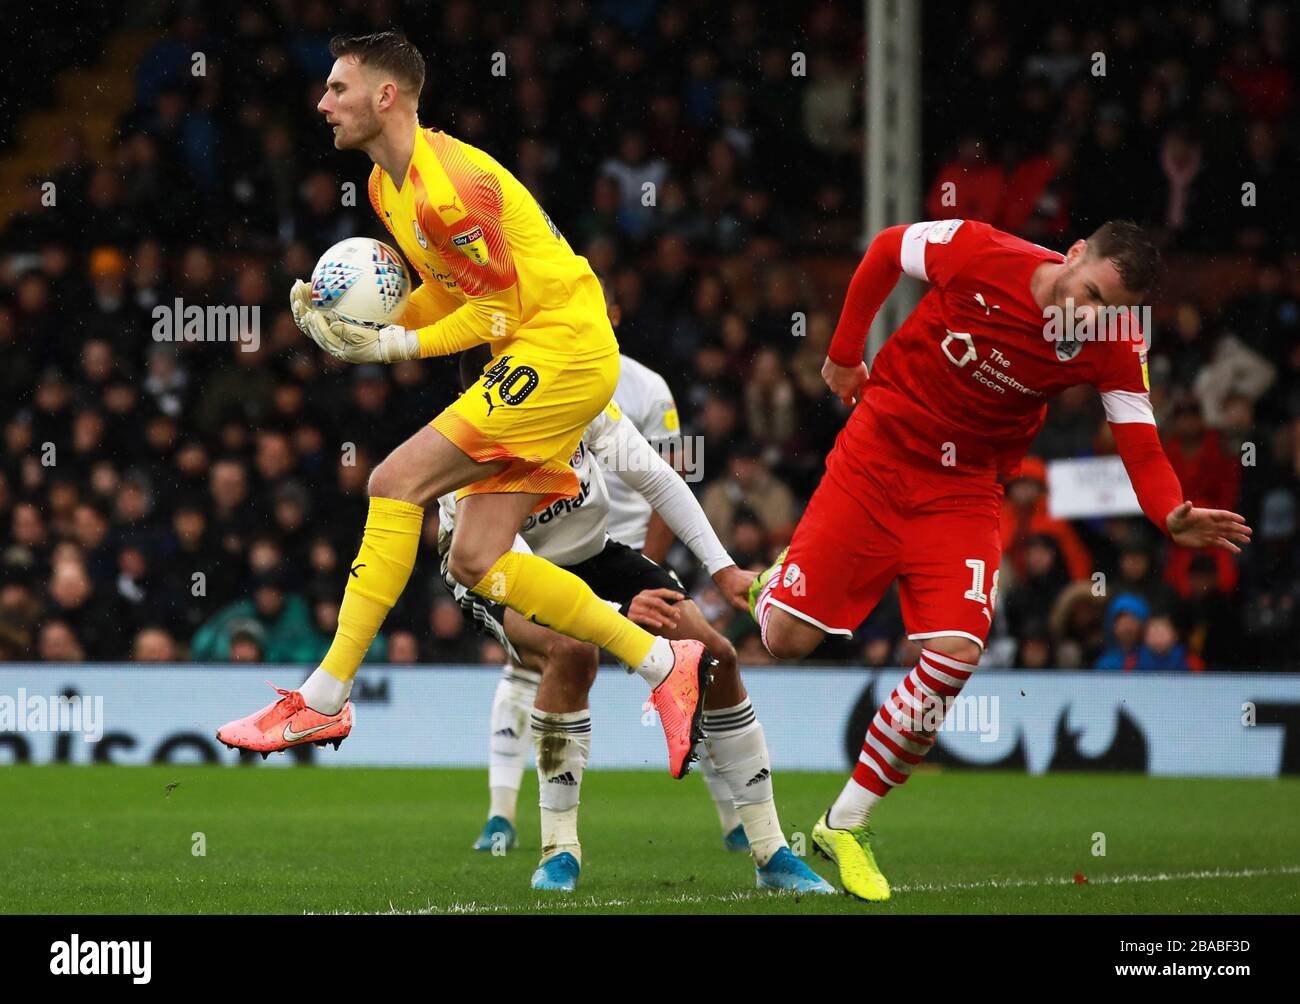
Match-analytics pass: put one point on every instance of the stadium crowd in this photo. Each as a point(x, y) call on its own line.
point(171, 499)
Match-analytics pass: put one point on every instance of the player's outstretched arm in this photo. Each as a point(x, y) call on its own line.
point(1192, 527)
point(1161, 495)
point(620, 448)
point(844, 371)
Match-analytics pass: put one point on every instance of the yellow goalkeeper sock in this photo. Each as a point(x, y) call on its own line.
point(555, 598)
point(375, 581)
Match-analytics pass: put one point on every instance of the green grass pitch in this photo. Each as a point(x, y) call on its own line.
point(113, 840)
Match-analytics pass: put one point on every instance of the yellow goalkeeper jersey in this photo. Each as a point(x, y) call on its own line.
point(492, 265)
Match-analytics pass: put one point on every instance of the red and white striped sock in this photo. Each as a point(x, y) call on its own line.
point(900, 735)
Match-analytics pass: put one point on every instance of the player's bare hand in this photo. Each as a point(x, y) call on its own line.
point(1192, 527)
point(655, 609)
point(845, 382)
point(733, 582)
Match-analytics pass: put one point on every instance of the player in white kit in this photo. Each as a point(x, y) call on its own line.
point(544, 687)
point(644, 397)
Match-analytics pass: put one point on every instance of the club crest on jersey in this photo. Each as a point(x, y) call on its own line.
point(791, 575)
point(472, 244)
point(419, 235)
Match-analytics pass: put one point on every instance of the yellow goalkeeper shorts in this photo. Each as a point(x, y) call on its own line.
point(531, 408)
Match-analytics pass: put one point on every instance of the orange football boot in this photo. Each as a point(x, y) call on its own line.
point(679, 699)
point(286, 723)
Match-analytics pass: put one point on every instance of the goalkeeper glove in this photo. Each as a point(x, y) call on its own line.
point(366, 345)
point(312, 322)
point(350, 342)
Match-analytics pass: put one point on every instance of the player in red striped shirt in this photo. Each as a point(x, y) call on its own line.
point(911, 490)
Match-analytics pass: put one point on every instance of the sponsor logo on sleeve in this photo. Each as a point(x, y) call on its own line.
point(472, 244)
point(943, 231)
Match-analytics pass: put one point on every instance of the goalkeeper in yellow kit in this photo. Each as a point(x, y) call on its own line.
point(494, 270)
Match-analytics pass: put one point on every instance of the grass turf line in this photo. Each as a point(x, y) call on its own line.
point(111, 840)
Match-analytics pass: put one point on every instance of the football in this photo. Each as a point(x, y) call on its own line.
point(363, 281)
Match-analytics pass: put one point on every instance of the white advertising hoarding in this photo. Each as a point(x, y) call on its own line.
point(1224, 724)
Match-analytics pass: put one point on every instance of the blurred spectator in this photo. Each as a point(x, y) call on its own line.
point(1162, 651)
point(752, 485)
point(1126, 620)
point(1029, 601)
point(450, 642)
point(770, 404)
point(90, 617)
point(154, 644)
point(311, 647)
point(246, 643)
point(59, 643)
point(1208, 624)
point(1209, 477)
point(968, 187)
point(1024, 515)
point(1271, 586)
point(1035, 650)
point(1036, 203)
point(1077, 626)
point(277, 621)
point(403, 647)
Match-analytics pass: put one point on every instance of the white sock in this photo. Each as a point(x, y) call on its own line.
point(512, 706)
point(562, 741)
point(719, 791)
point(853, 807)
point(739, 752)
point(324, 692)
point(503, 802)
point(656, 666)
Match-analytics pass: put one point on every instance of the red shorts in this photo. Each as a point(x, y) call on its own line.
point(876, 519)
